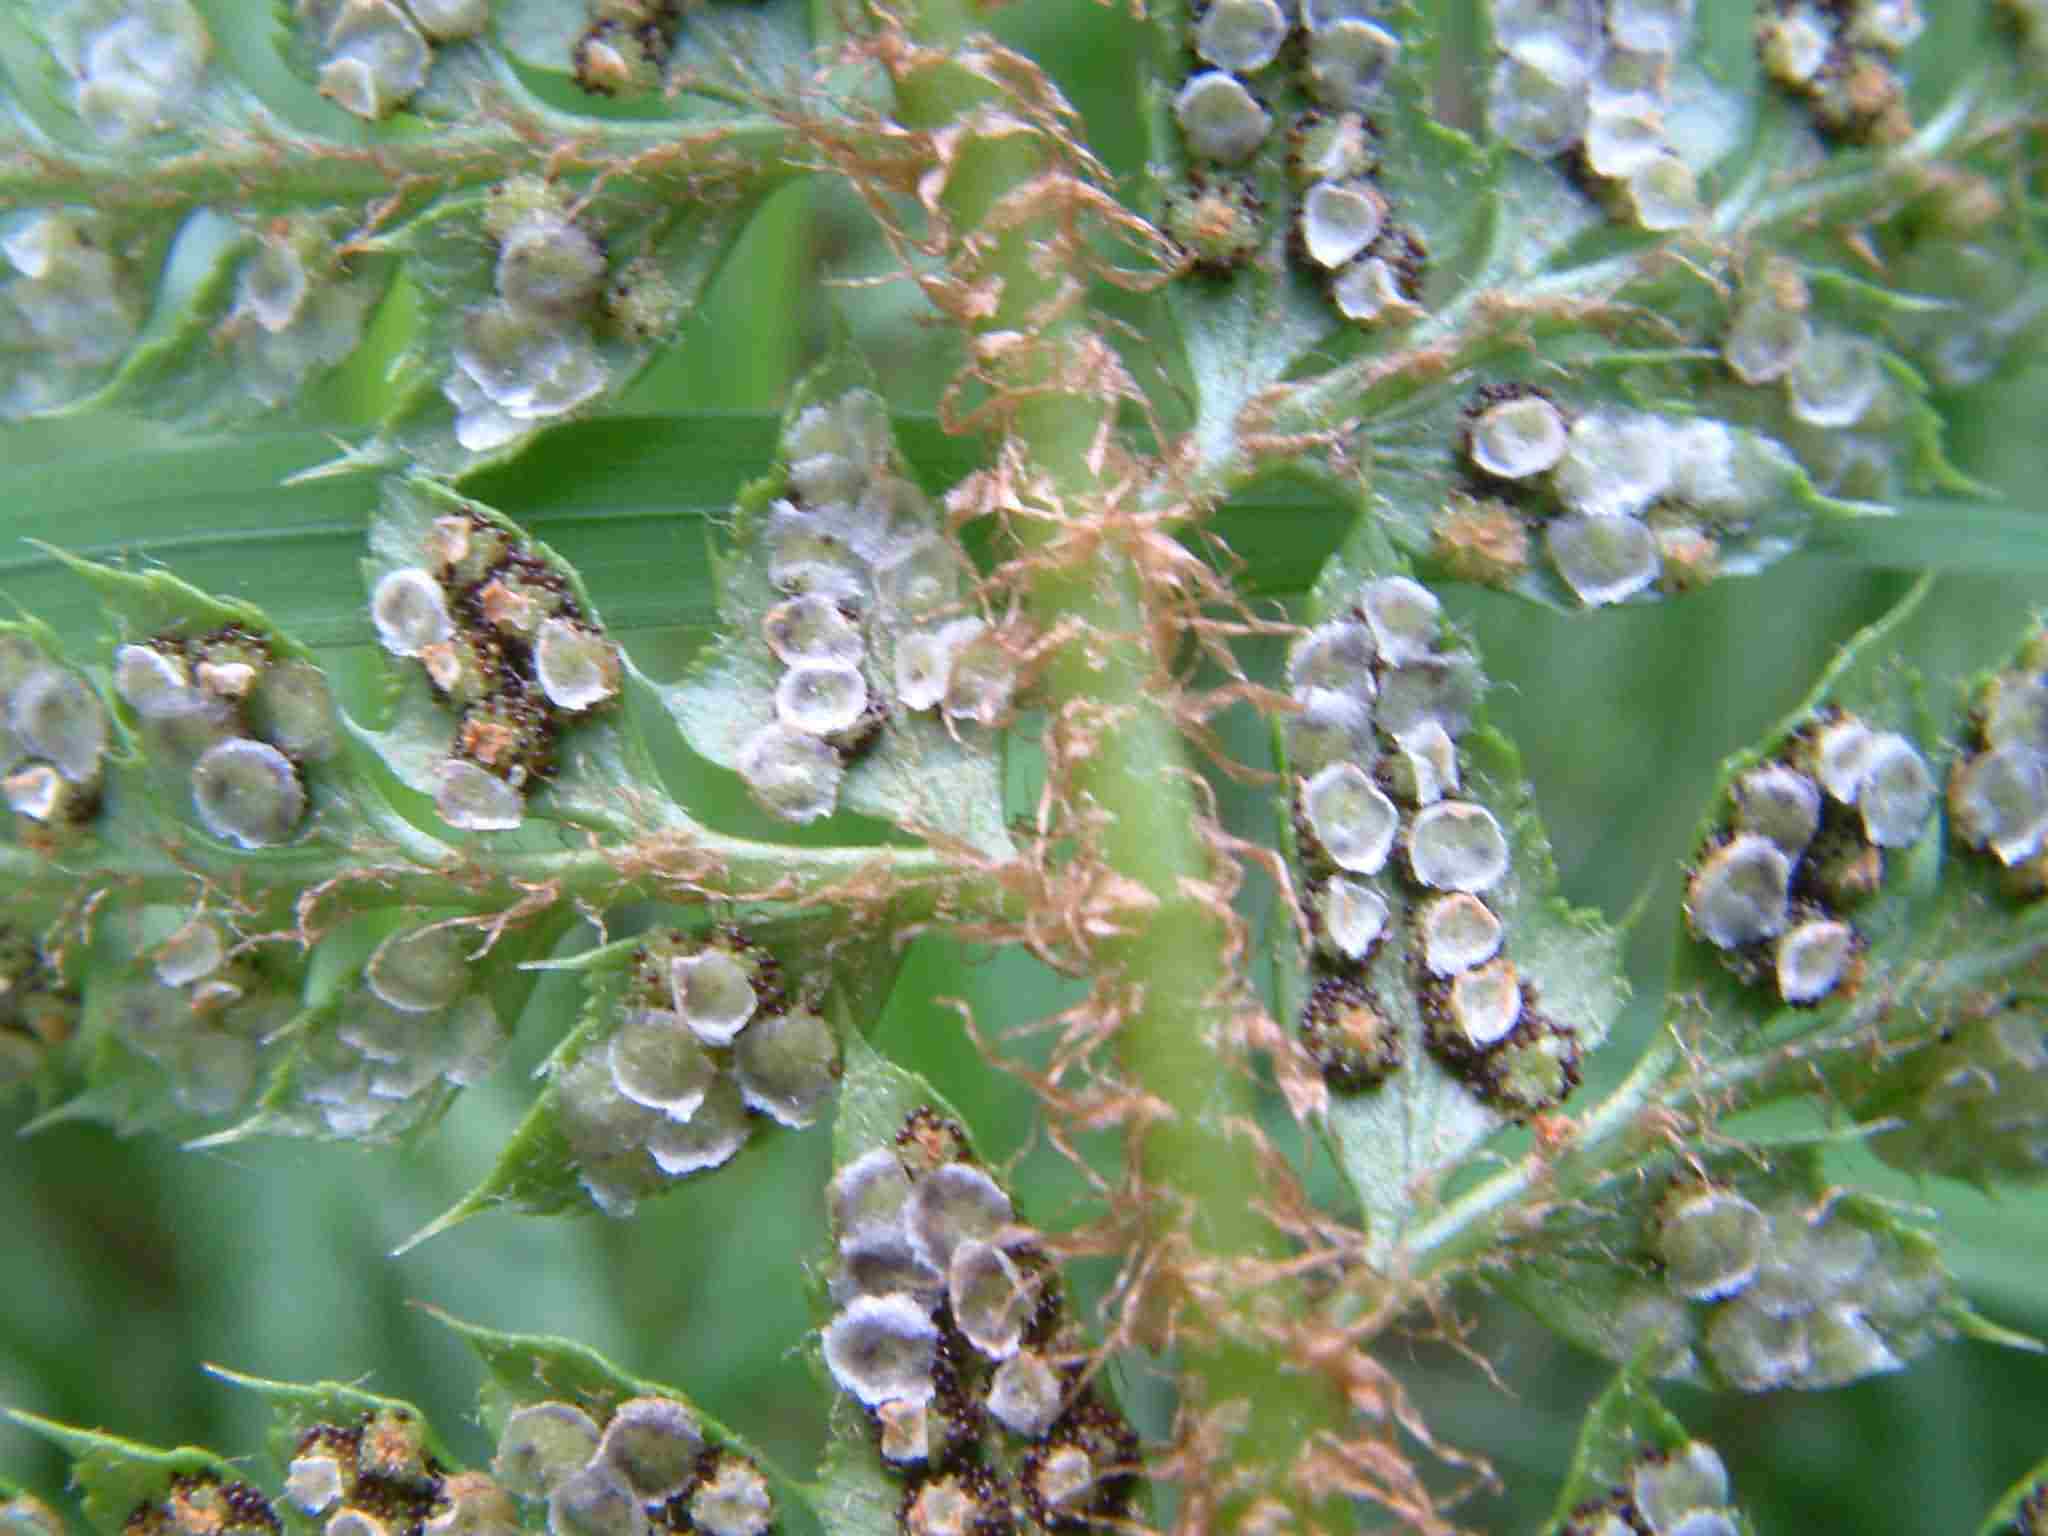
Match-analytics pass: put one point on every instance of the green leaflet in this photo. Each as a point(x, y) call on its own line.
point(1396, 1138)
point(1634, 1459)
point(635, 1101)
point(525, 1369)
point(1943, 936)
point(115, 1476)
point(1760, 1277)
point(837, 522)
point(479, 721)
point(2026, 1501)
point(1009, 1406)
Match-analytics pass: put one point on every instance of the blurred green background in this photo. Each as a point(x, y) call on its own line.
point(126, 1264)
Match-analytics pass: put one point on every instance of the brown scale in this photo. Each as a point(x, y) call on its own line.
point(1346, 1031)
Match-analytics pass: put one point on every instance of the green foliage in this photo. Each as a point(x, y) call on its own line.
point(608, 584)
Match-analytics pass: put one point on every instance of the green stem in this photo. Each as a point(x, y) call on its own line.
point(1125, 770)
point(675, 868)
point(274, 171)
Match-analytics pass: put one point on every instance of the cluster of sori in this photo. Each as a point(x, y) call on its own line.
point(1805, 844)
point(411, 1031)
point(38, 1012)
point(1998, 791)
point(53, 739)
point(233, 725)
point(1833, 379)
point(505, 644)
point(1841, 57)
point(69, 311)
point(134, 64)
point(296, 310)
point(200, 1504)
point(1395, 851)
point(707, 1036)
point(1972, 1103)
point(1344, 226)
point(1627, 501)
point(376, 1477)
point(529, 354)
point(1799, 1292)
point(625, 49)
point(869, 617)
point(1679, 1492)
point(203, 1013)
point(374, 55)
point(649, 1469)
point(1593, 77)
point(950, 1335)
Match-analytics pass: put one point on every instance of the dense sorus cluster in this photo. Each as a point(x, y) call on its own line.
point(202, 1505)
point(1344, 228)
point(376, 1477)
point(411, 1030)
point(1395, 850)
point(706, 1039)
point(53, 740)
point(1680, 1492)
point(1998, 789)
point(1591, 79)
point(624, 51)
point(1972, 1102)
point(951, 1335)
point(235, 723)
point(1624, 501)
point(1841, 57)
point(648, 1467)
point(1801, 1290)
point(375, 55)
point(38, 1010)
point(1805, 845)
point(529, 354)
point(868, 621)
point(507, 647)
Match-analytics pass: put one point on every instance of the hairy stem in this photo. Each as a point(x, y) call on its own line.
point(1132, 794)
